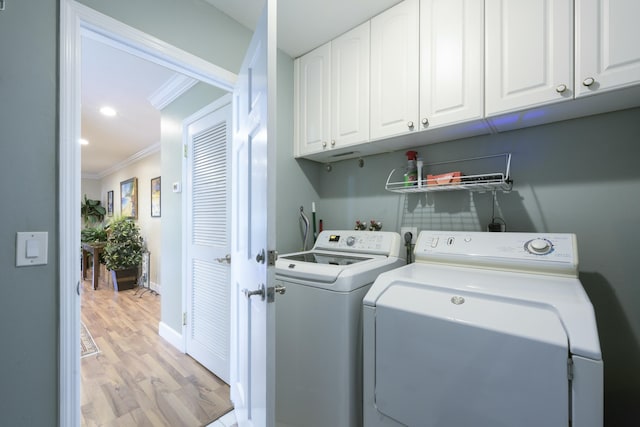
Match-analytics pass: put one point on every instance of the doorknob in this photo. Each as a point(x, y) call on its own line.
point(227, 259)
point(260, 257)
point(259, 291)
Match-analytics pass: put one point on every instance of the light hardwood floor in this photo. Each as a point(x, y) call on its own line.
point(138, 379)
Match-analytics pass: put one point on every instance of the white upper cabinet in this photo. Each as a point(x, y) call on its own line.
point(451, 62)
point(313, 96)
point(528, 53)
point(607, 45)
point(394, 70)
point(332, 94)
point(350, 87)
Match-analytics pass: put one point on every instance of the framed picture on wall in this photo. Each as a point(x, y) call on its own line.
point(155, 196)
point(129, 198)
point(110, 203)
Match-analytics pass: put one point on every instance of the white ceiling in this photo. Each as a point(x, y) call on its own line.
point(306, 24)
point(126, 82)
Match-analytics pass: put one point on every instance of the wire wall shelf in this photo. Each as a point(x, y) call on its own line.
point(493, 181)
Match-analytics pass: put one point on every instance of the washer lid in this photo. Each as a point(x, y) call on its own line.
point(563, 295)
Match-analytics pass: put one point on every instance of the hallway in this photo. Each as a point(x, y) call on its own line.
point(137, 378)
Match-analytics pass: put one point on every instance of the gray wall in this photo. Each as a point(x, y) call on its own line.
point(579, 176)
point(28, 151)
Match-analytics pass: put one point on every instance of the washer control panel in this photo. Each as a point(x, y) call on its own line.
point(371, 242)
point(526, 251)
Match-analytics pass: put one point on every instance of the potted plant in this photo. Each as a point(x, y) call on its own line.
point(123, 252)
point(91, 211)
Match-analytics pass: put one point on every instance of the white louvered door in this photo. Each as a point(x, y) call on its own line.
point(208, 274)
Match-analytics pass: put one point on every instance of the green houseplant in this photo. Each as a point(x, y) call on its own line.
point(123, 252)
point(91, 211)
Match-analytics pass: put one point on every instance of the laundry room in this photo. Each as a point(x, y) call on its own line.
point(577, 176)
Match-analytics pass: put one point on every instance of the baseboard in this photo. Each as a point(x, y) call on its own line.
point(155, 287)
point(172, 337)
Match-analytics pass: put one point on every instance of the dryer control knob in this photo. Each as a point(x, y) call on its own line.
point(351, 240)
point(538, 246)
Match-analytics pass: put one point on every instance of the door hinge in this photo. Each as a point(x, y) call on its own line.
point(185, 149)
point(184, 319)
point(570, 369)
point(272, 257)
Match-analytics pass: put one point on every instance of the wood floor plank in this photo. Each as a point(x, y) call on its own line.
point(137, 378)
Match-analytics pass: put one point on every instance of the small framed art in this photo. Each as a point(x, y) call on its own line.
point(110, 203)
point(129, 198)
point(155, 196)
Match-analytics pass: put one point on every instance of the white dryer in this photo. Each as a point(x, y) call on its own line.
point(319, 325)
point(484, 329)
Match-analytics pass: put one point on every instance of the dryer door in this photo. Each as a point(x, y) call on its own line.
point(463, 359)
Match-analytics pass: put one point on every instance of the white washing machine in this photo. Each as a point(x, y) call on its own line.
point(319, 325)
point(484, 329)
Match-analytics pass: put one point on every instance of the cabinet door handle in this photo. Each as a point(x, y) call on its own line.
point(588, 81)
point(333, 142)
point(561, 88)
point(324, 144)
point(425, 122)
point(410, 125)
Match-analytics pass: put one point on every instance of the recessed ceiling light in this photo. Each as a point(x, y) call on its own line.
point(108, 111)
point(84, 141)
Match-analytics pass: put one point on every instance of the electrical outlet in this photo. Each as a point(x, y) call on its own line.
point(412, 230)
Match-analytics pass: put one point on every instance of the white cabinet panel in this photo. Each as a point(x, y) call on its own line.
point(350, 87)
point(313, 96)
point(607, 45)
point(451, 61)
point(528, 53)
point(394, 70)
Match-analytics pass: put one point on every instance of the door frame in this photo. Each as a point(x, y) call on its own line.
point(77, 20)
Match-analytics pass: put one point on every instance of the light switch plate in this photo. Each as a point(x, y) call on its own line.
point(35, 251)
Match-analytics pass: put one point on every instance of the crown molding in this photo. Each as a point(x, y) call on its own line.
point(171, 90)
point(152, 149)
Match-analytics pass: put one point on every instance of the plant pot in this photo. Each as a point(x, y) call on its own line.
point(124, 279)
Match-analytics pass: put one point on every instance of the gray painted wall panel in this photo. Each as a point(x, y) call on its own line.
point(28, 150)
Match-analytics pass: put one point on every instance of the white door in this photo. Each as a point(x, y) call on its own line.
point(253, 229)
point(394, 70)
point(528, 53)
point(312, 74)
point(207, 189)
point(607, 48)
point(451, 61)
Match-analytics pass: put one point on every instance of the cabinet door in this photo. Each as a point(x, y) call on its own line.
point(451, 61)
point(313, 98)
point(607, 45)
point(394, 70)
point(350, 87)
point(528, 53)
